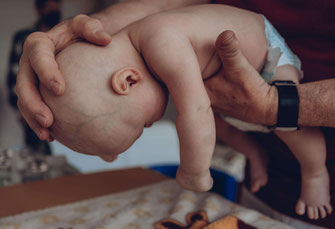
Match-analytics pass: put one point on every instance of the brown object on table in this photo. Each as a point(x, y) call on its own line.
point(229, 222)
point(199, 220)
point(194, 220)
point(37, 195)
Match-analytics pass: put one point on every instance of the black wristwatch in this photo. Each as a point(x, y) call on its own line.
point(288, 106)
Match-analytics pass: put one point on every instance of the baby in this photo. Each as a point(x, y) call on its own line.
point(113, 92)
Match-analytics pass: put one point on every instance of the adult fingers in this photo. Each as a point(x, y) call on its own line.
point(90, 29)
point(41, 132)
point(217, 89)
point(35, 112)
point(39, 52)
point(228, 49)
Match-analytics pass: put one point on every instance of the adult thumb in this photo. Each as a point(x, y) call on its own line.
point(228, 48)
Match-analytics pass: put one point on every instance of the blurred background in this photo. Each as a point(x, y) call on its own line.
point(15, 16)
point(18, 18)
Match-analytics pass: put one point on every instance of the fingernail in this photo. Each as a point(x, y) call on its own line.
point(51, 138)
point(41, 119)
point(55, 87)
point(38, 133)
point(102, 34)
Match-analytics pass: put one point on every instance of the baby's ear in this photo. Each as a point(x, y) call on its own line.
point(125, 79)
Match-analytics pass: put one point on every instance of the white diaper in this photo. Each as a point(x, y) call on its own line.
point(279, 53)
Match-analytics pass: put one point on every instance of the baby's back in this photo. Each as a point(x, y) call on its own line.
point(203, 23)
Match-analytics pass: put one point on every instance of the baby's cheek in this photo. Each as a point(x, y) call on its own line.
point(108, 158)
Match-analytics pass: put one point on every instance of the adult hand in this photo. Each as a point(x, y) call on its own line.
point(39, 57)
point(238, 90)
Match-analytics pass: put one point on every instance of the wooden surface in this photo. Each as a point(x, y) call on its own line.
point(43, 194)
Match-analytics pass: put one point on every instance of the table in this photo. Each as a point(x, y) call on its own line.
point(36, 195)
point(127, 198)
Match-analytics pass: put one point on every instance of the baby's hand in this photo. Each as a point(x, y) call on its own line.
point(194, 182)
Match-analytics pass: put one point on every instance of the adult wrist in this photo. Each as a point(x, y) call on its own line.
point(271, 113)
point(288, 106)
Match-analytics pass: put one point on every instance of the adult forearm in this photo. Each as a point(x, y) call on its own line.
point(240, 92)
point(317, 103)
point(119, 15)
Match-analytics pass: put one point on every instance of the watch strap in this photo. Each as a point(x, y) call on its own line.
point(288, 106)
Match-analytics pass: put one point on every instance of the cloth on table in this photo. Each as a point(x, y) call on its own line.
point(136, 209)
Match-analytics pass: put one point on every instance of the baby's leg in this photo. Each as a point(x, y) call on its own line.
point(309, 147)
point(242, 142)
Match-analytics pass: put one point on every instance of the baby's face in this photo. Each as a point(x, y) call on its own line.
point(91, 117)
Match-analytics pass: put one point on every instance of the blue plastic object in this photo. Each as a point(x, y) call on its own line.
point(224, 184)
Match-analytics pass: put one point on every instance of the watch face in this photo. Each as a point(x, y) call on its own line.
point(288, 106)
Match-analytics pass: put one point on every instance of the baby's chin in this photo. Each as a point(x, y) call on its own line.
point(108, 158)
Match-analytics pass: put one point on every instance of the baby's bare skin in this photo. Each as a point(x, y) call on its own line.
point(183, 72)
point(177, 47)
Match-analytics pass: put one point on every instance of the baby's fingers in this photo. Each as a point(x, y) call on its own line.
point(90, 29)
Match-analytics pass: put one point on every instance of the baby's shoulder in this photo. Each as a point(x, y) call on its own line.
point(166, 21)
point(161, 28)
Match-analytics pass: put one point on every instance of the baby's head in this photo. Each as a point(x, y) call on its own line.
point(110, 97)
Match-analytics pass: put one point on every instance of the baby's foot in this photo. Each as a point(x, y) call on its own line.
point(194, 182)
point(258, 172)
point(315, 195)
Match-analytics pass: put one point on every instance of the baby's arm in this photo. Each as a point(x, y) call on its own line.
point(170, 56)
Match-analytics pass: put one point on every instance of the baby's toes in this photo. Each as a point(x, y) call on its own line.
point(323, 212)
point(316, 213)
point(329, 208)
point(310, 212)
point(300, 207)
point(255, 186)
